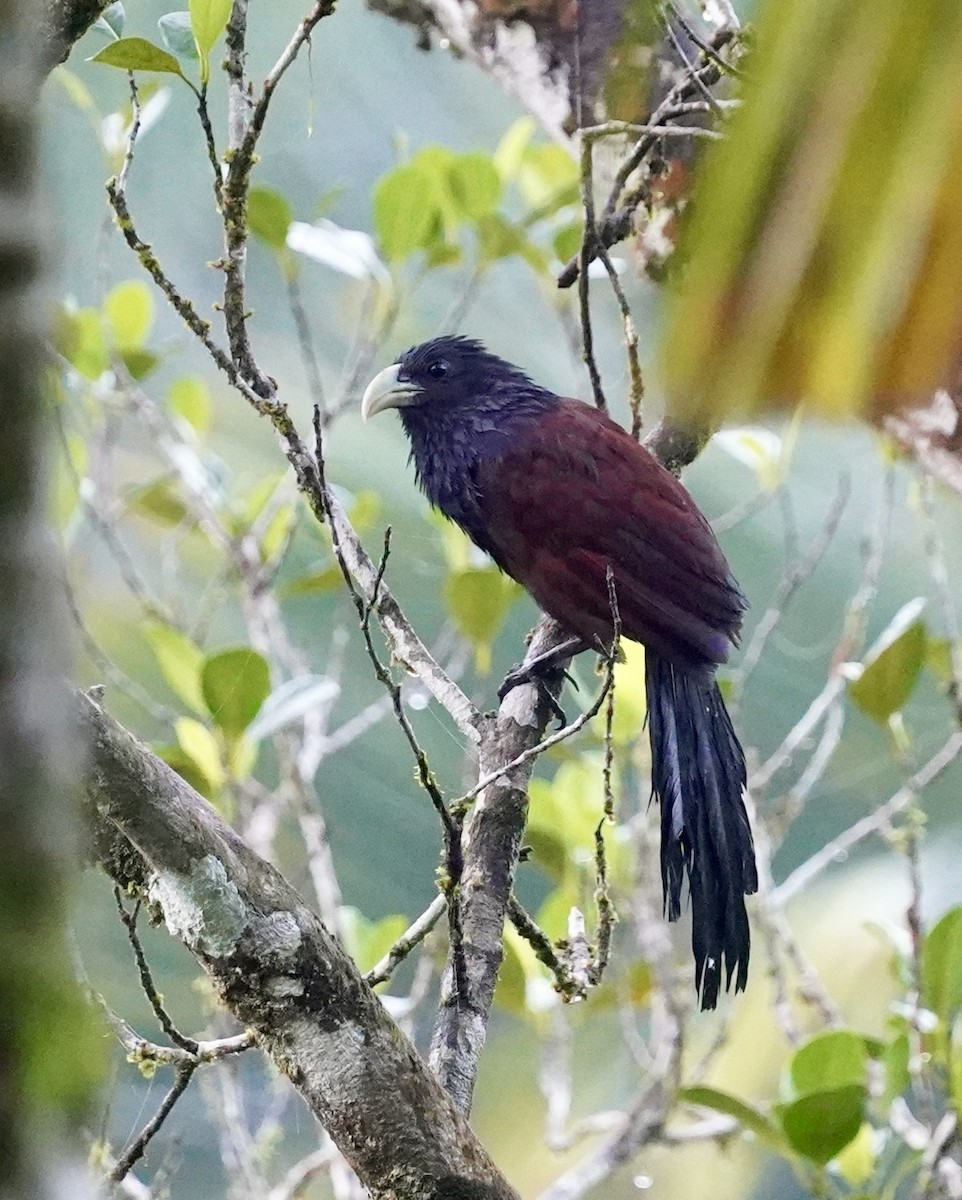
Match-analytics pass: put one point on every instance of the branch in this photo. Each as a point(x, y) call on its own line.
point(876, 821)
point(64, 23)
point(931, 435)
point(280, 973)
point(243, 145)
point(491, 842)
point(642, 1124)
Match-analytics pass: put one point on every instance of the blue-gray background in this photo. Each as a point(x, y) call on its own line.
point(337, 124)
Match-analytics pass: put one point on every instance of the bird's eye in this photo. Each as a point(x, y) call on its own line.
point(438, 370)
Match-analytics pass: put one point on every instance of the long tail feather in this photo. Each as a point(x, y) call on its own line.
point(698, 776)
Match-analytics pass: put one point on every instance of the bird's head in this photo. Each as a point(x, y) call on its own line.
point(449, 375)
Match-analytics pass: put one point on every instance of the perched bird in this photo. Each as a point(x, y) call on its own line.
point(563, 499)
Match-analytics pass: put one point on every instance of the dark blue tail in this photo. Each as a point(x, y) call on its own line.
point(698, 776)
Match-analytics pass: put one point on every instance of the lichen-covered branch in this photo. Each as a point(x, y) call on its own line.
point(280, 972)
point(64, 22)
point(491, 842)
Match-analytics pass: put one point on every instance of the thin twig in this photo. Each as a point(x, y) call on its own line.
point(364, 606)
point(183, 1074)
point(129, 920)
point(636, 391)
point(586, 254)
point(534, 751)
point(796, 573)
point(630, 129)
point(305, 341)
point(875, 822)
point(709, 51)
point(935, 557)
point(617, 217)
point(132, 132)
point(415, 933)
point(236, 187)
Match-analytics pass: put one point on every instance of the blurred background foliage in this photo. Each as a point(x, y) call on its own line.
point(399, 194)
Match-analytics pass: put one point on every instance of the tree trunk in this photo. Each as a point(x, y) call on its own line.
point(42, 1046)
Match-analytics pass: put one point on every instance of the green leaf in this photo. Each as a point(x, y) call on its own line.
point(896, 1062)
point(955, 1065)
point(137, 54)
point(548, 178)
point(160, 502)
point(567, 241)
point(631, 700)
point(235, 684)
point(498, 238)
point(258, 496)
point(77, 91)
point(856, 1161)
point(197, 741)
point(364, 510)
point(178, 35)
point(942, 967)
point(830, 1060)
point(523, 985)
point(208, 20)
point(563, 817)
point(368, 941)
point(269, 216)
point(139, 363)
point(187, 768)
point(474, 185)
point(129, 309)
point(747, 1115)
point(328, 579)
point(189, 398)
point(509, 994)
point(276, 536)
point(180, 661)
point(821, 1124)
point(64, 491)
point(511, 148)
point(405, 211)
point(893, 665)
point(79, 336)
point(478, 599)
point(938, 659)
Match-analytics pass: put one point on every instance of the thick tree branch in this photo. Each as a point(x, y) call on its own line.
point(280, 973)
point(491, 842)
point(64, 23)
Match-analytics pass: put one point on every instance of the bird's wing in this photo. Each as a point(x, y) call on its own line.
point(574, 495)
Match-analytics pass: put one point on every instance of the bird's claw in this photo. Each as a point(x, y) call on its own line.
point(520, 674)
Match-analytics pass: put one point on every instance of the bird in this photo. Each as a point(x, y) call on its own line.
point(570, 505)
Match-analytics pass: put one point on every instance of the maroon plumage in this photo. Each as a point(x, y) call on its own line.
point(558, 494)
point(573, 494)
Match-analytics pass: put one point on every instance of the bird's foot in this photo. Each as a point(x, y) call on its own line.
point(521, 674)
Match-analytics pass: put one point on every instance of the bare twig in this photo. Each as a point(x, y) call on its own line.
point(415, 933)
point(935, 556)
point(183, 1074)
point(875, 822)
point(533, 752)
point(129, 920)
point(586, 254)
point(796, 573)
